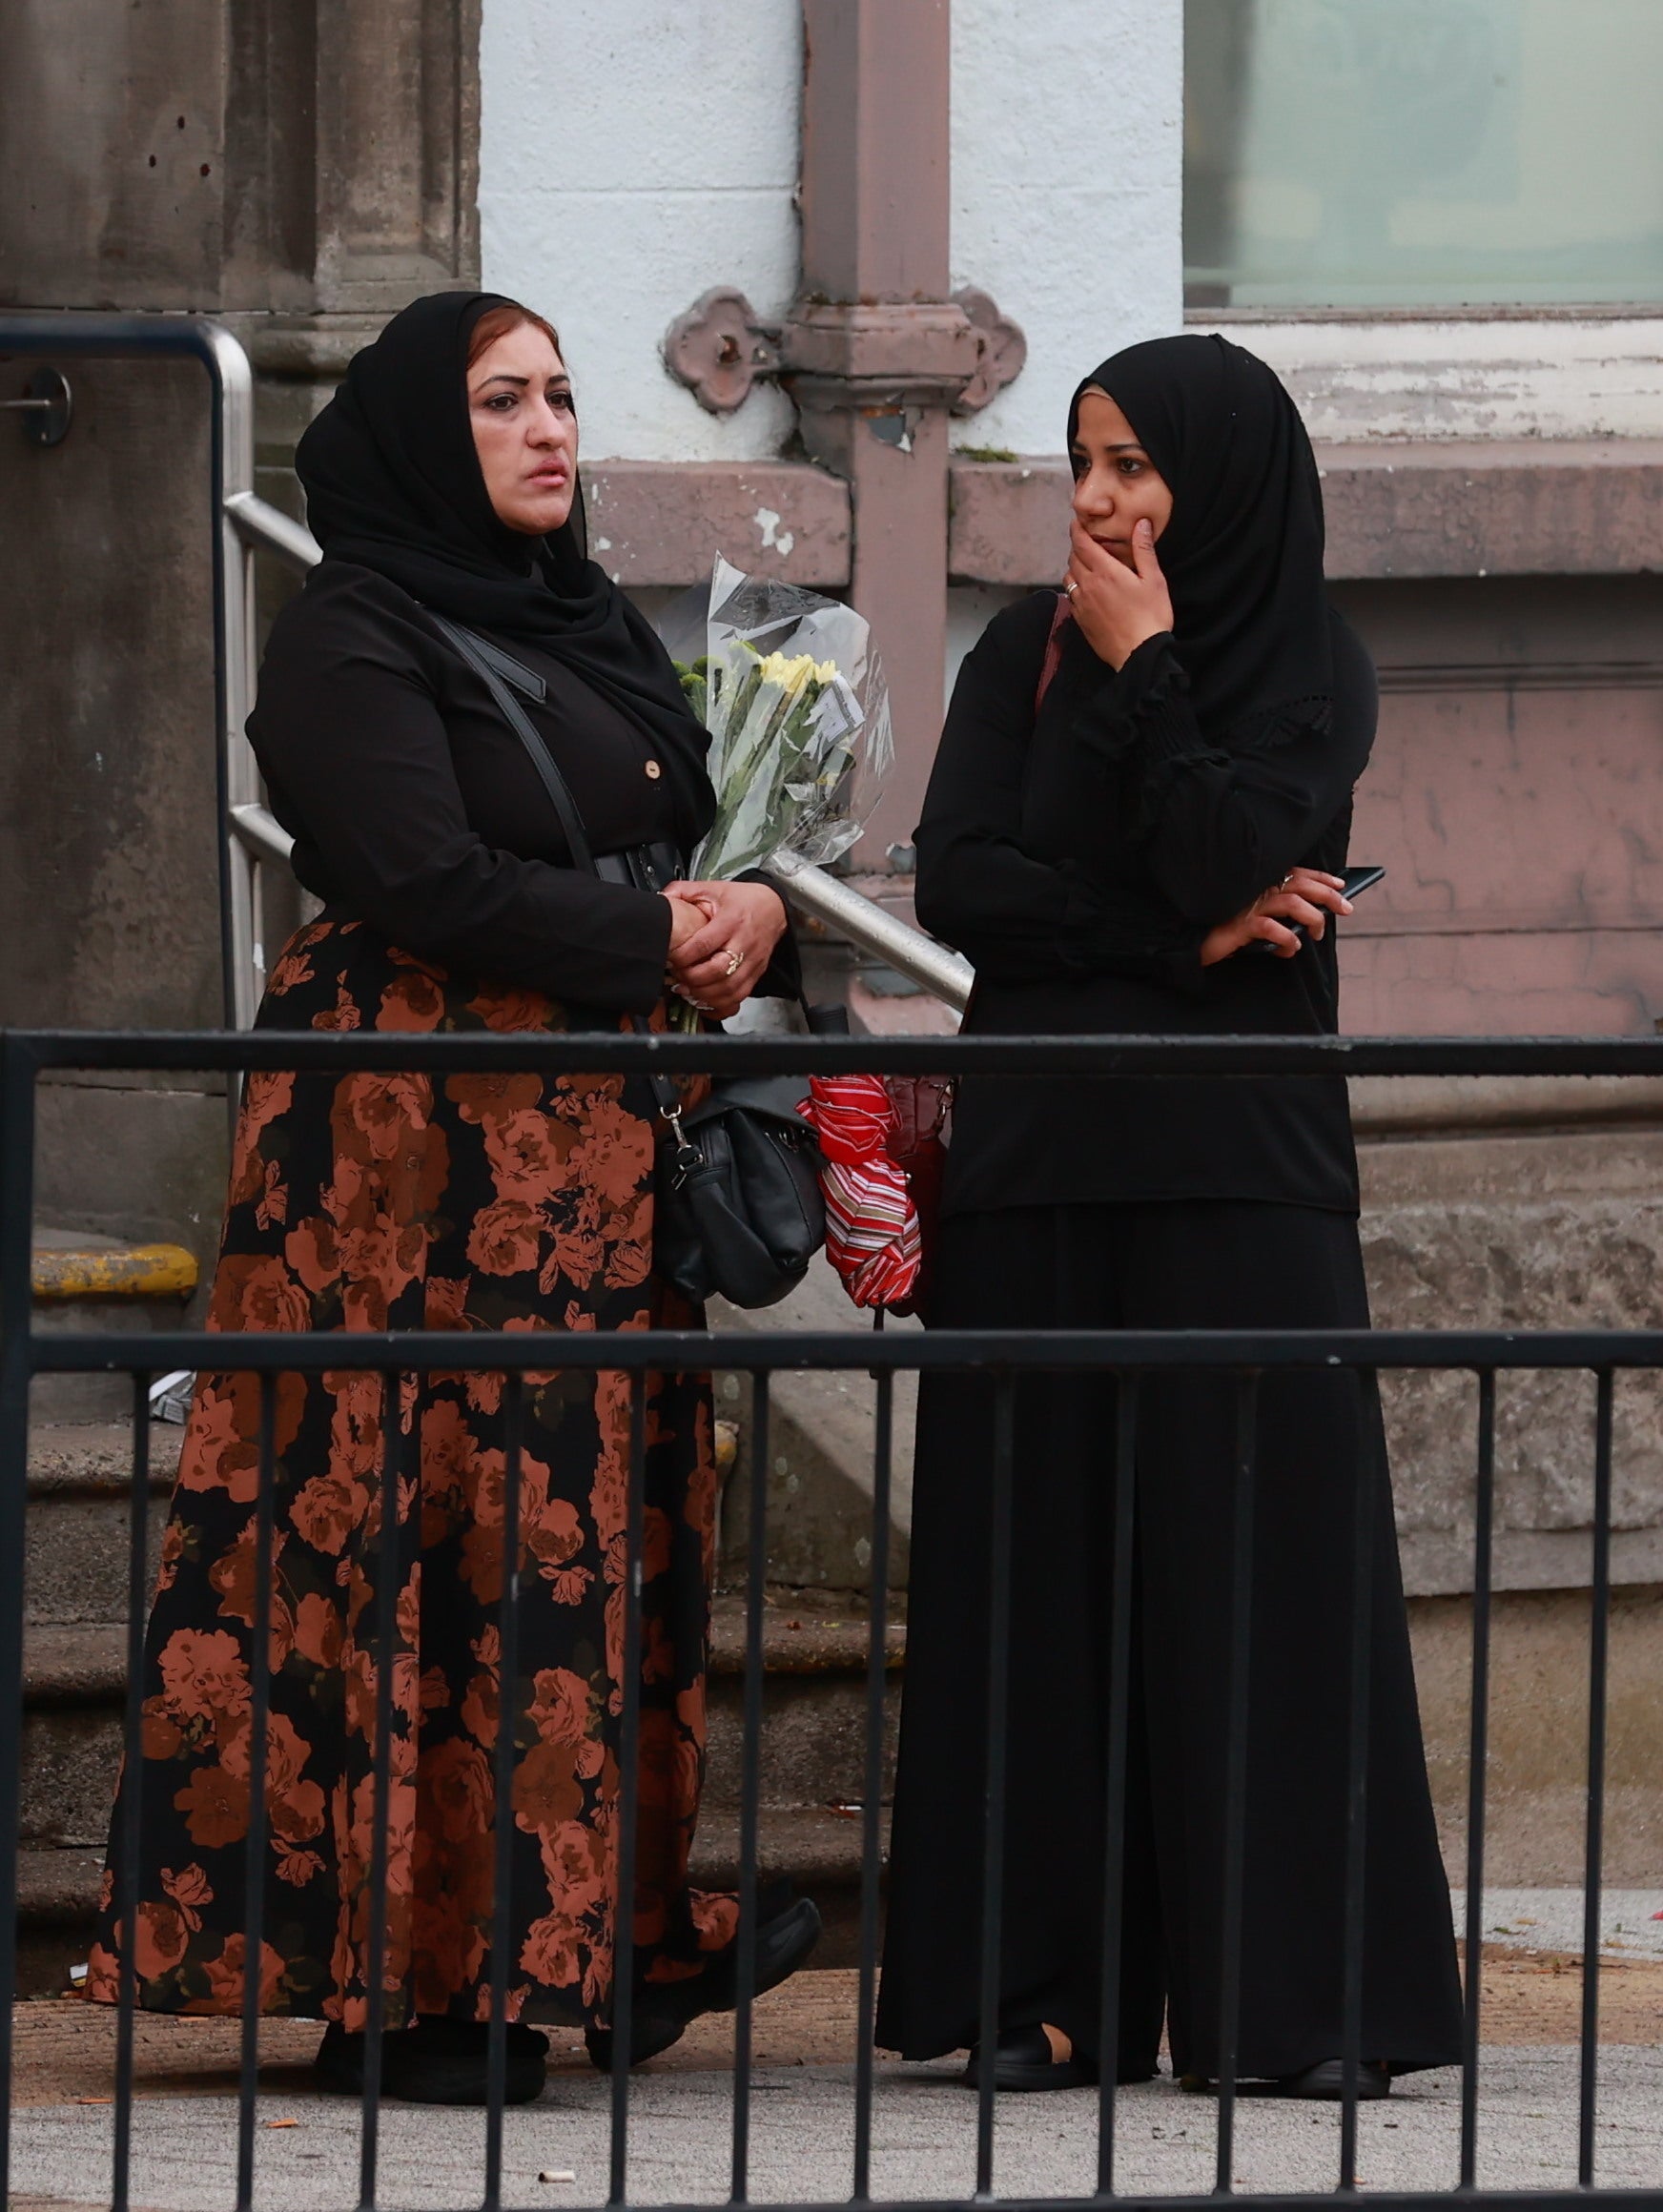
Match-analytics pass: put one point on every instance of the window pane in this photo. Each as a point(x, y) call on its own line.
point(1423, 152)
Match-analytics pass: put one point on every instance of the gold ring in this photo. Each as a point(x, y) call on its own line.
point(734, 962)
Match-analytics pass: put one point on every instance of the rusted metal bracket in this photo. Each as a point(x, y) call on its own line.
point(720, 348)
point(1001, 353)
point(45, 407)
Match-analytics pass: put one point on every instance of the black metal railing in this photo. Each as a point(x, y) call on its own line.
point(1004, 1355)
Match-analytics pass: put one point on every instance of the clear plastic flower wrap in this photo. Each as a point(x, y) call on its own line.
point(791, 688)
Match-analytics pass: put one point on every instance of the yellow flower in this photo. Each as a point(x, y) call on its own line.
point(792, 676)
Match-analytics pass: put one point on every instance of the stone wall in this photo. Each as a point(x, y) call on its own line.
point(299, 168)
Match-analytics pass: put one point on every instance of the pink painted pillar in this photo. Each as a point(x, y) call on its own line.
point(874, 350)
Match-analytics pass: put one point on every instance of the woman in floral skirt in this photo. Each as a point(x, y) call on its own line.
point(442, 481)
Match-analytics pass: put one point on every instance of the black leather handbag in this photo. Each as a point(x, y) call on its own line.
point(738, 1212)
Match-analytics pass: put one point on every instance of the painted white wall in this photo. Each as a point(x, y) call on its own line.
point(1481, 375)
point(1067, 190)
point(633, 154)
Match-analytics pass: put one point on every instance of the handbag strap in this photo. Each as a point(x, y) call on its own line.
point(1063, 615)
point(490, 664)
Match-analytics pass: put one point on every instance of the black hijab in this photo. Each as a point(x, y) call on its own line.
point(393, 483)
point(1243, 553)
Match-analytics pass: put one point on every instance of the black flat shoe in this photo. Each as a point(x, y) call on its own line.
point(662, 2010)
point(1326, 2081)
point(437, 2062)
point(1023, 2059)
point(1323, 2082)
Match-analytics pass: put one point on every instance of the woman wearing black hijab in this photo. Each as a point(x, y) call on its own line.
point(441, 483)
point(1140, 785)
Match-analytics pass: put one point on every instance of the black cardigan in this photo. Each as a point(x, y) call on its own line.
point(1079, 858)
point(413, 804)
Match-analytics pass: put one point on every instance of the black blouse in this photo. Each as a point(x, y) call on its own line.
point(413, 804)
point(1079, 858)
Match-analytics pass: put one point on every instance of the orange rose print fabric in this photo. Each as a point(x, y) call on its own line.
point(387, 1201)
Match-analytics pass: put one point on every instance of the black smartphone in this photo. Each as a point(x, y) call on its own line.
point(1356, 880)
point(1360, 879)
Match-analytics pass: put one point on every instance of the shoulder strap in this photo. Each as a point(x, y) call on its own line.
point(490, 664)
point(1048, 667)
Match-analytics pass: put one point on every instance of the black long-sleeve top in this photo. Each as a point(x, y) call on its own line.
point(1079, 858)
point(413, 805)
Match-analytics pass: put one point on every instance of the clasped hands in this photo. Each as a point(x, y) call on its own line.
point(722, 938)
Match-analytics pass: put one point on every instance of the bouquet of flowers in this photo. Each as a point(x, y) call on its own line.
point(790, 689)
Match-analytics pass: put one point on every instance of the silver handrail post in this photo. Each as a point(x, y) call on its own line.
point(231, 449)
point(240, 771)
point(946, 975)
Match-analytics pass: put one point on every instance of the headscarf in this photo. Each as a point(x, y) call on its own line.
point(1242, 554)
point(393, 483)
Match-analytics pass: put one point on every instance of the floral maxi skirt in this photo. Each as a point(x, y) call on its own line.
point(393, 1201)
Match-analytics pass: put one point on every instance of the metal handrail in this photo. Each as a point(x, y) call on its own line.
point(231, 478)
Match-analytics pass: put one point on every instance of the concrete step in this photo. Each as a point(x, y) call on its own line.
point(814, 1728)
point(80, 1482)
point(821, 1432)
point(813, 1767)
point(814, 1702)
point(87, 1284)
point(75, 1682)
point(58, 1906)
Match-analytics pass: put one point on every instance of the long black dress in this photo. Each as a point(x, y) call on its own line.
point(1076, 856)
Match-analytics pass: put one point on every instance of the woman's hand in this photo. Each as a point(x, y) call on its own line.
point(1305, 895)
point(716, 966)
point(686, 918)
point(1118, 607)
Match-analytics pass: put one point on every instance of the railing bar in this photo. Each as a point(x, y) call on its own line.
point(502, 1836)
point(933, 1351)
point(628, 1794)
point(132, 1832)
point(388, 1569)
point(17, 1073)
point(998, 1680)
point(1478, 1759)
point(872, 1807)
point(1115, 1780)
point(1363, 1512)
point(751, 1784)
point(1598, 1658)
point(602, 1051)
point(258, 1735)
point(1234, 1807)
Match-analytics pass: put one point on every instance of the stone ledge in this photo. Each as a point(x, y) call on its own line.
point(1438, 1561)
point(662, 521)
point(800, 1639)
point(1456, 507)
point(94, 1459)
point(1404, 1105)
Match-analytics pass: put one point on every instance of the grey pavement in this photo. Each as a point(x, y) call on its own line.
point(923, 2141)
point(1631, 1922)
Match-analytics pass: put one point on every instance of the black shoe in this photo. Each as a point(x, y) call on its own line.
point(662, 2010)
point(1326, 2079)
point(1023, 2059)
point(437, 2062)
